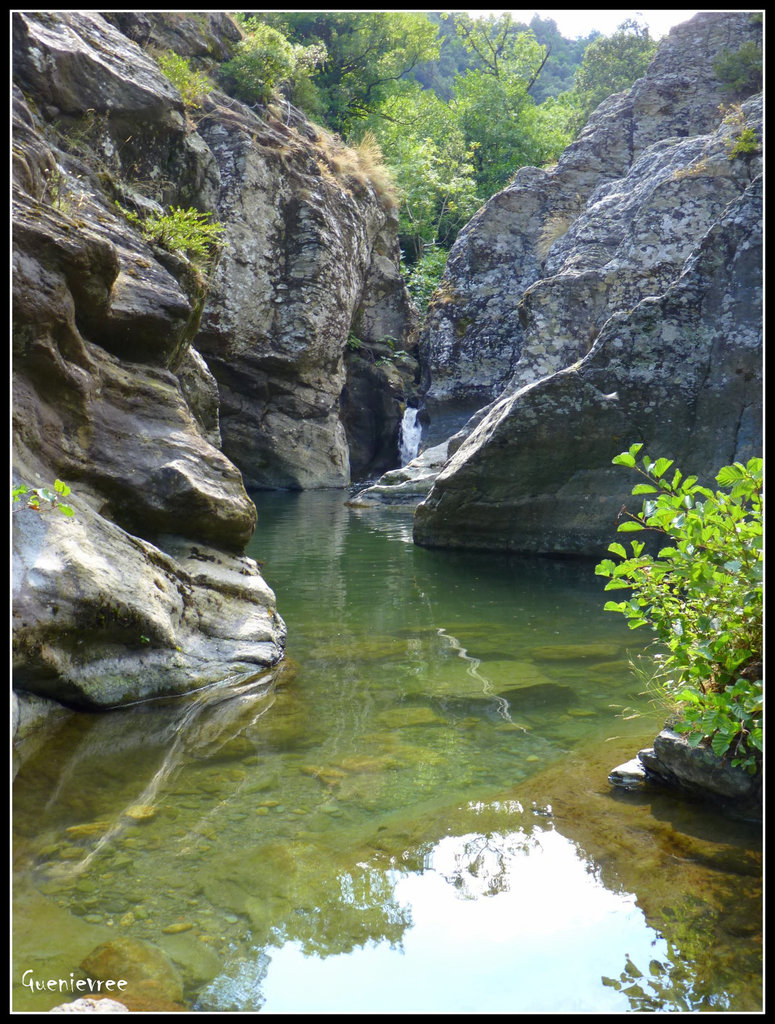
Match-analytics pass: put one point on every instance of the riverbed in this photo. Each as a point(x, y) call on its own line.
point(411, 815)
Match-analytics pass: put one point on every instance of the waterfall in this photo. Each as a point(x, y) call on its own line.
point(409, 436)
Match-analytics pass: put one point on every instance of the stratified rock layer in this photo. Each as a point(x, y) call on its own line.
point(145, 590)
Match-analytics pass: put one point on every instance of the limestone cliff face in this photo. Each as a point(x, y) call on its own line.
point(630, 311)
point(475, 332)
point(146, 590)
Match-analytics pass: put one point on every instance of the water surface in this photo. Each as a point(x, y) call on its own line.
point(412, 815)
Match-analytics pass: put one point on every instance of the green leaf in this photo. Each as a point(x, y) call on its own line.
point(617, 549)
point(661, 466)
point(629, 527)
point(625, 459)
point(644, 489)
point(65, 510)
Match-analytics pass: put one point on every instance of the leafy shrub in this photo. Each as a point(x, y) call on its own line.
point(740, 71)
point(192, 85)
point(188, 231)
point(42, 498)
point(265, 59)
point(702, 596)
point(422, 279)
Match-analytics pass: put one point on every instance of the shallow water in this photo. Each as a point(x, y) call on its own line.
point(412, 815)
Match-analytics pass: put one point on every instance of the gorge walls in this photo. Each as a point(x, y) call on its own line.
point(159, 389)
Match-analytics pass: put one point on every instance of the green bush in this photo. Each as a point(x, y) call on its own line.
point(188, 231)
point(192, 85)
point(701, 595)
point(422, 279)
point(265, 59)
point(740, 71)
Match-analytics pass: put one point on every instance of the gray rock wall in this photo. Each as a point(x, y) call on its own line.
point(680, 372)
point(619, 300)
point(475, 332)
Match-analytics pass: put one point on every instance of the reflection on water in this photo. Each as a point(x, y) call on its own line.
point(412, 814)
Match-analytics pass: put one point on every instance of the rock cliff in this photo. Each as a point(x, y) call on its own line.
point(612, 299)
point(155, 391)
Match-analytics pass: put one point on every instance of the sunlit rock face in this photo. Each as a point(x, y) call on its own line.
point(312, 255)
point(639, 318)
point(681, 372)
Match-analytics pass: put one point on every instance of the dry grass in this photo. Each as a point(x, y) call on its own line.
point(554, 227)
point(363, 163)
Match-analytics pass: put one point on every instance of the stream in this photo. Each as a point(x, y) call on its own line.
point(411, 814)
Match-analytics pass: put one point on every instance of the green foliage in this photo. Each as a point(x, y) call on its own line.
point(192, 85)
point(42, 499)
point(740, 71)
point(701, 595)
point(188, 231)
point(745, 145)
point(493, 107)
point(423, 278)
point(369, 56)
point(265, 59)
point(611, 64)
point(431, 165)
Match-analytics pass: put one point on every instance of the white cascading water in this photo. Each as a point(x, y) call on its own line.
point(409, 436)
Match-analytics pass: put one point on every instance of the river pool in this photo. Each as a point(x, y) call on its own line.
point(411, 815)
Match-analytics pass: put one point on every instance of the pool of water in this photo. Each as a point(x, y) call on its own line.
point(411, 815)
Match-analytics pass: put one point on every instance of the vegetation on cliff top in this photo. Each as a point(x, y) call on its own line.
point(457, 105)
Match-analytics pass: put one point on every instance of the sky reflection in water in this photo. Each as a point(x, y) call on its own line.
point(521, 913)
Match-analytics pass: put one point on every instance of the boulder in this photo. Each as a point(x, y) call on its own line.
point(680, 372)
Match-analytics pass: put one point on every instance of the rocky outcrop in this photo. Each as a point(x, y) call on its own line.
point(146, 589)
point(695, 771)
point(644, 323)
point(312, 260)
point(680, 372)
point(475, 332)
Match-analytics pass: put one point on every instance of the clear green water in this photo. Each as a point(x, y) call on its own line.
point(377, 828)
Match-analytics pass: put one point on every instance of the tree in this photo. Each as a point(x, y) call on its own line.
point(432, 167)
point(492, 103)
point(611, 64)
point(702, 597)
point(369, 54)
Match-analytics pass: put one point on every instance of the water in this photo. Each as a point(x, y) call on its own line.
point(409, 436)
point(411, 816)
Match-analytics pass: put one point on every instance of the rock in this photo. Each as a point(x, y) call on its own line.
point(701, 773)
point(406, 486)
point(630, 775)
point(149, 974)
point(535, 475)
point(145, 590)
point(274, 330)
point(473, 336)
point(88, 1005)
